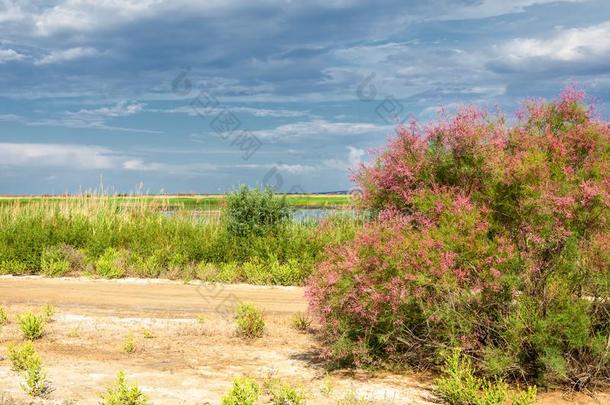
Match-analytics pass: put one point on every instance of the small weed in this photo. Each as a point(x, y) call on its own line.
point(301, 322)
point(148, 334)
point(459, 385)
point(350, 398)
point(245, 391)
point(3, 316)
point(53, 262)
point(49, 311)
point(21, 355)
point(109, 264)
point(327, 386)
point(283, 393)
point(36, 383)
point(74, 332)
point(201, 318)
point(250, 321)
point(121, 393)
point(129, 344)
point(31, 325)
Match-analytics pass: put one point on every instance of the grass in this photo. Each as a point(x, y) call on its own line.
point(199, 202)
point(121, 393)
point(249, 321)
point(301, 322)
point(32, 326)
point(129, 345)
point(245, 391)
point(104, 237)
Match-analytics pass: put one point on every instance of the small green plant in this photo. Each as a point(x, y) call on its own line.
point(109, 264)
point(129, 344)
point(21, 355)
point(53, 262)
point(327, 386)
point(3, 315)
point(250, 321)
point(283, 393)
point(460, 386)
point(148, 334)
point(350, 398)
point(201, 318)
point(31, 325)
point(36, 383)
point(121, 393)
point(48, 312)
point(301, 322)
point(527, 397)
point(245, 391)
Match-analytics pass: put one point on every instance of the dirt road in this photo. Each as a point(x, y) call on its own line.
point(142, 296)
point(187, 351)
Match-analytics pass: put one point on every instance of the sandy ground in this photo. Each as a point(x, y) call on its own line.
point(194, 353)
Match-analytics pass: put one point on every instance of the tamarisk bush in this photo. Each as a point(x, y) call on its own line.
point(491, 237)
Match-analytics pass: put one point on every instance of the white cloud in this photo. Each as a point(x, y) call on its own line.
point(85, 157)
point(257, 112)
point(64, 155)
point(67, 55)
point(121, 109)
point(567, 45)
point(354, 158)
point(7, 55)
point(321, 128)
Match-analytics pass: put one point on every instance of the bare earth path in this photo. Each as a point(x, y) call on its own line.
point(193, 354)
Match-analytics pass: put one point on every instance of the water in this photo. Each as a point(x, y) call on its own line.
point(298, 215)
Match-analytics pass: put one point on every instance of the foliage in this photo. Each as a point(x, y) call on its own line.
point(21, 355)
point(3, 315)
point(245, 391)
point(31, 325)
point(282, 393)
point(459, 386)
point(121, 393)
point(249, 321)
point(301, 321)
point(48, 312)
point(53, 262)
point(100, 237)
point(255, 212)
point(36, 383)
point(129, 344)
point(489, 237)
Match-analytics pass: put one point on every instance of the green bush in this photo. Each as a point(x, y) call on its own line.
point(31, 325)
point(489, 236)
point(245, 391)
point(283, 393)
point(255, 212)
point(36, 383)
point(301, 322)
point(53, 262)
point(110, 264)
point(21, 355)
point(458, 385)
point(121, 393)
point(249, 320)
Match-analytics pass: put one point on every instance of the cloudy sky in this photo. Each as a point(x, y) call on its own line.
point(199, 96)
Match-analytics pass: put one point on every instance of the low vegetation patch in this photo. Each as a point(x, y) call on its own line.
point(301, 322)
point(32, 325)
point(458, 385)
point(245, 391)
point(24, 359)
point(129, 344)
point(121, 393)
point(251, 240)
point(283, 393)
point(3, 315)
point(21, 355)
point(249, 321)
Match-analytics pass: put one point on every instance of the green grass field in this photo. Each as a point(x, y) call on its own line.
point(195, 202)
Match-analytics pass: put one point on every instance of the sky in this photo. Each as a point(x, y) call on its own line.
point(185, 96)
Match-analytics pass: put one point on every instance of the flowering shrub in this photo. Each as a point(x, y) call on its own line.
point(490, 237)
